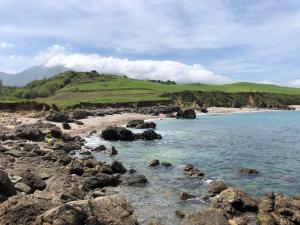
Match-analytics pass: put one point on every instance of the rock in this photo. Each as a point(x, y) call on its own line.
point(108, 210)
point(134, 123)
point(79, 123)
point(180, 214)
point(33, 180)
point(234, 202)
point(248, 171)
point(59, 117)
point(204, 110)
point(185, 196)
point(29, 132)
point(132, 171)
point(216, 187)
point(134, 180)
point(155, 222)
point(99, 148)
point(192, 171)
point(113, 151)
point(81, 114)
point(90, 163)
point(7, 188)
point(148, 135)
point(66, 126)
point(166, 164)
point(146, 125)
point(154, 162)
point(186, 114)
point(245, 219)
point(76, 167)
point(117, 133)
point(117, 167)
point(61, 157)
point(22, 187)
point(99, 181)
point(205, 217)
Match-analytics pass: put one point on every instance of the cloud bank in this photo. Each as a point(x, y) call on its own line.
point(294, 83)
point(139, 69)
point(4, 45)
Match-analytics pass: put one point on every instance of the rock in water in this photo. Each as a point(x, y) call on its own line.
point(100, 180)
point(205, 217)
point(185, 196)
point(186, 114)
point(146, 125)
point(134, 180)
point(134, 123)
point(117, 167)
point(117, 134)
point(192, 171)
point(154, 162)
point(148, 135)
point(111, 210)
point(216, 187)
point(7, 188)
point(248, 171)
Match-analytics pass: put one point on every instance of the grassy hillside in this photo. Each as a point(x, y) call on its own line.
point(70, 88)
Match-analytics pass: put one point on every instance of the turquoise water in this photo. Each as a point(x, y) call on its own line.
point(218, 145)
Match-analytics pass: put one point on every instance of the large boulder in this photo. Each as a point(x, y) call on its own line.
point(117, 134)
point(117, 167)
point(59, 117)
point(234, 202)
point(148, 135)
point(186, 114)
point(6, 186)
point(111, 210)
point(76, 167)
point(205, 217)
point(29, 132)
point(216, 187)
point(100, 180)
point(33, 180)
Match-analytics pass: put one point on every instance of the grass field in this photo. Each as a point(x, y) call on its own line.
point(70, 88)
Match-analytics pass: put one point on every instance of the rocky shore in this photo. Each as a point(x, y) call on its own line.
point(43, 181)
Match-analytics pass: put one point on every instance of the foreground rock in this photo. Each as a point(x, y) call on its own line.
point(33, 180)
point(117, 134)
point(7, 188)
point(100, 180)
point(186, 114)
point(205, 217)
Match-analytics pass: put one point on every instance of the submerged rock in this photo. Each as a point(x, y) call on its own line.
point(205, 217)
point(192, 171)
point(186, 114)
point(154, 162)
point(248, 171)
point(185, 196)
point(134, 180)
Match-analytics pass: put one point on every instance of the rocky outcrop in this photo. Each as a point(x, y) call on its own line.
point(148, 135)
point(112, 210)
point(192, 171)
point(7, 188)
point(100, 180)
point(117, 167)
point(117, 134)
point(59, 117)
point(186, 114)
point(205, 217)
point(32, 133)
point(134, 180)
point(146, 125)
point(247, 171)
point(216, 187)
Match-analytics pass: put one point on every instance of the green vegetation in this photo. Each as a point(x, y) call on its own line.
point(71, 88)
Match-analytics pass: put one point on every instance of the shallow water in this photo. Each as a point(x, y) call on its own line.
point(218, 145)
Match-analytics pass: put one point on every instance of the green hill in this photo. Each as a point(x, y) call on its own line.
point(71, 88)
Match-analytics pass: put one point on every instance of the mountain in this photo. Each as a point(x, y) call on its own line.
point(29, 75)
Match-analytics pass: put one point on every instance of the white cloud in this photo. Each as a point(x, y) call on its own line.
point(139, 69)
point(4, 45)
point(294, 83)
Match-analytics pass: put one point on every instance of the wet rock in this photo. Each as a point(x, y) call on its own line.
point(117, 167)
point(205, 217)
point(99, 181)
point(148, 135)
point(204, 110)
point(134, 123)
point(166, 164)
point(134, 180)
point(33, 180)
point(132, 171)
point(216, 187)
point(110, 210)
point(7, 188)
point(186, 114)
point(234, 202)
point(185, 196)
point(146, 125)
point(248, 171)
point(66, 126)
point(154, 162)
point(192, 171)
point(99, 148)
point(117, 133)
point(90, 163)
point(113, 151)
point(76, 167)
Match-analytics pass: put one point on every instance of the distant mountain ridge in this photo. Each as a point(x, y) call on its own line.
point(29, 75)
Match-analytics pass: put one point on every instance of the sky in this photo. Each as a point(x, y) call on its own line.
point(215, 41)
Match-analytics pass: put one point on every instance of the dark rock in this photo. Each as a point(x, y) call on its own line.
point(248, 171)
point(154, 162)
point(205, 217)
point(134, 123)
point(81, 114)
point(216, 187)
point(134, 180)
point(59, 117)
point(90, 163)
point(204, 110)
point(66, 126)
point(29, 132)
point(117, 167)
point(146, 125)
point(113, 151)
point(99, 181)
point(117, 133)
point(99, 148)
point(61, 157)
point(180, 214)
point(186, 114)
point(76, 167)
point(33, 180)
point(185, 196)
point(192, 171)
point(7, 188)
point(132, 171)
point(148, 135)
point(166, 164)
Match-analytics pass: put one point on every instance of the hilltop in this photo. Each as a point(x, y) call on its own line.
point(70, 88)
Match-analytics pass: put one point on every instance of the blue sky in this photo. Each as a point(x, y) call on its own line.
point(214, 41)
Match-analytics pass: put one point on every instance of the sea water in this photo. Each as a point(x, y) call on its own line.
point(218, 145)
